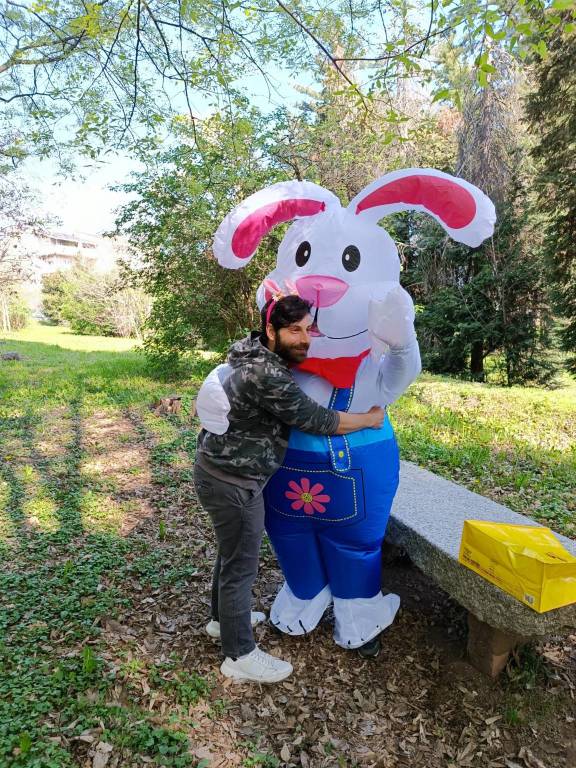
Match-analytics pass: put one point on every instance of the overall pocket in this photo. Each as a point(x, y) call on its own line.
point(309, 490)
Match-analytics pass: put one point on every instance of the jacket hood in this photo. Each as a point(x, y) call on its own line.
point(251, 350)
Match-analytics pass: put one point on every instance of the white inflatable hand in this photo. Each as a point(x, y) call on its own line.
point(212, 405)
point(391, 321)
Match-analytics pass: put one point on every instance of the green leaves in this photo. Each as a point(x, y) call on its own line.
point(563, 5)
point(484, 68)
point(89, 662)
point(492, 34)
point(119, 72)
point(25, 743)
point(482, 62)
point(173, 223)
point(542, 49)
point(89, 23)
point(448, 94)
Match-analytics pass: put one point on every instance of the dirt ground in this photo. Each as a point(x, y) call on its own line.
point(417, 704)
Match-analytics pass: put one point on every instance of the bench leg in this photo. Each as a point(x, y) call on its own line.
point(489, 648)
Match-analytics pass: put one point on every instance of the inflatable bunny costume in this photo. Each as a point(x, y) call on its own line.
point(328, 505)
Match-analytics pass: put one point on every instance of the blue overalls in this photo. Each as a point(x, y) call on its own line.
point(327, 509)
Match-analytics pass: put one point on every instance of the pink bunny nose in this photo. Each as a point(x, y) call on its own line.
point(321, 290)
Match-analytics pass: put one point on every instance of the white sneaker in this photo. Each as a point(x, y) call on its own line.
point(213, 627)
point(258, 666)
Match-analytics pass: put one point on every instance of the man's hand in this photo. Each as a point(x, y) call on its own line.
point(375, 417)
point(352, 422)
point(391, 321)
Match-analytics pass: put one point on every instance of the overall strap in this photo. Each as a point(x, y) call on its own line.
point(340, 458)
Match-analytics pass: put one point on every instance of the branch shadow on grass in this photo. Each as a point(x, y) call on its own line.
point(58, 585)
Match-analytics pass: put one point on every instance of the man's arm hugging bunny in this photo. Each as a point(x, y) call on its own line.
point(394, 349)
point(328, 505)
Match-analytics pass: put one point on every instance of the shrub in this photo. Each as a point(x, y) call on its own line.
point(93, 303)
point(15, 313)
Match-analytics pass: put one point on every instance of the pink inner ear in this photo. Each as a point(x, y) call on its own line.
point(250, 232)
point(270, 288)
point(452, 203)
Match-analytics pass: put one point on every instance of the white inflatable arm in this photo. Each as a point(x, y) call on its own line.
point(392, 334)
point(212, 405)
point(399, 368)
point(391, 321)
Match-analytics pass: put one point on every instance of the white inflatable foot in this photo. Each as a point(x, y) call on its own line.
point(360, 619)
point(293, 616)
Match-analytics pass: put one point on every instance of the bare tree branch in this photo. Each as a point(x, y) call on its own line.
point(318, 42)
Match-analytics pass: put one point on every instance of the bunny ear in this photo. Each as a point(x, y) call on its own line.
point(291, 287)
point(465, 212)
point(271, 288)
point(241, 232)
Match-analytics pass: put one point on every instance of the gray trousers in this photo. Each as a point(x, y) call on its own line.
point(238, 518)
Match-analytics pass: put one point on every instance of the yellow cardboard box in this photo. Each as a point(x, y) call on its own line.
point(526, 561)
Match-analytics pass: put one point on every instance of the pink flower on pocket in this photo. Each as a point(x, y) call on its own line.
point(307, 496)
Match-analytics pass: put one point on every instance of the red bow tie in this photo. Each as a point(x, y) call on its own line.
point(339, 371)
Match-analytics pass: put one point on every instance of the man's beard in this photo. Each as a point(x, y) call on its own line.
point(291, 353)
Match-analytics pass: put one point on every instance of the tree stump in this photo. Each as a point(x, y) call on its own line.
point(168, 405)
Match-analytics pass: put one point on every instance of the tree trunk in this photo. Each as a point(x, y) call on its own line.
point(477, 361)
point(6, 325)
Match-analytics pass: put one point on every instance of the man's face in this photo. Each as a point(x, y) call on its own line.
point(292, 342)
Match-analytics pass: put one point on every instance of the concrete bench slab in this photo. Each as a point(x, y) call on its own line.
point(426, 522)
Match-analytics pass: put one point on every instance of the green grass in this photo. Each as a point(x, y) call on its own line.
point(64, 561)
point(67, 339)
point(516, 445)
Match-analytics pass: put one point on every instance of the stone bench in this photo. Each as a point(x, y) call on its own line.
point(426, 523)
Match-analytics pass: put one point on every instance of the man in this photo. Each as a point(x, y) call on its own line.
point(231, 470)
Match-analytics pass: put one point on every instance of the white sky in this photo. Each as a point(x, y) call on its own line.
point(80, 205)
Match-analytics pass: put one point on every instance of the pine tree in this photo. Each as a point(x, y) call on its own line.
point(492, 299)
point(551, 110)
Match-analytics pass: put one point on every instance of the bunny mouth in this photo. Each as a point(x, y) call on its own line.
point(316, 332)
point(352, 335)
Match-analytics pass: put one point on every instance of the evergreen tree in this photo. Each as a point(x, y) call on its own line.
point(492, 299)
point(551, 110)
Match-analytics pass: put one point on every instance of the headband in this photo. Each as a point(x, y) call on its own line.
point(279, 294)
point(275, 299)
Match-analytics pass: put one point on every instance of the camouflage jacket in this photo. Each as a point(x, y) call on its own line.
point(265, 402)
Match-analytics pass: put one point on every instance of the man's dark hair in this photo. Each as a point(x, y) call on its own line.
point(287, 310)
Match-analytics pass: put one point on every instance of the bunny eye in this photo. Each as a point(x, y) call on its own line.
point(351, 258)
point(303, 253)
